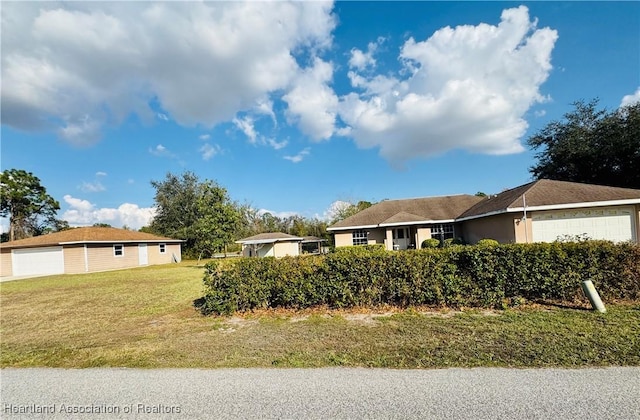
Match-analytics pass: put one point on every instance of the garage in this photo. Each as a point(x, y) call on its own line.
point(614, 224)
point(36, 261)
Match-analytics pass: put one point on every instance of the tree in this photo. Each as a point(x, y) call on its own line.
point(25, 201)
point(592, 146)
point(201, 213)
point(349, 210)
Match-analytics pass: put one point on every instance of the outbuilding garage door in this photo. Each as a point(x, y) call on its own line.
point(613, 224)
point(35, 261)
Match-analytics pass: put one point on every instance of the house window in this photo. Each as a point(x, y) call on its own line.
point(118, 250)
point(360, 237)
point(442, 231)
point(163, 248)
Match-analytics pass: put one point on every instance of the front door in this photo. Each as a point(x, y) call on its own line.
point(143, 256)
point(401, 238)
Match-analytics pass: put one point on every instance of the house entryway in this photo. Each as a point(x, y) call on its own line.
point(401, 238)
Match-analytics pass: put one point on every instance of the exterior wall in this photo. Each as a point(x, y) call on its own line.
point(101, 258)
point(376, 236)
point(74, 261)
point(281, 249)
point(155, 257)
point(6, 268)
point(422, 233)
point(343, 238)
point(637, 213)
point(523, 228)
point(501, 227)
point(266, 251)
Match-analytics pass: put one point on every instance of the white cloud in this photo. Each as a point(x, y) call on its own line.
point(631, 99)
point(84, 213)
point(277, 145)
point(204, 137)
point(76, 66)
point(299, 157)
point(467, 88)
point(208, 151)
point(361, 60)
point(100, 173)
point(312, 102)
point(246, 126)
point(279, 214)
point(91, 187)
point(161, 151)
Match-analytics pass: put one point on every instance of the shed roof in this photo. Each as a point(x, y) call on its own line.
point(270, 237)
point(87, 235)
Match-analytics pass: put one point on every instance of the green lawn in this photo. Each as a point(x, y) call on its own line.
point(145, 317)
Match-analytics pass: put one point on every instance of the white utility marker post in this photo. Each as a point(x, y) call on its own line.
point(591, 292)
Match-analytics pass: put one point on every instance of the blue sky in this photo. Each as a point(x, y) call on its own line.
point(294, 107)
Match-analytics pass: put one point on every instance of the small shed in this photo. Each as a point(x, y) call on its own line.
point(272, 244)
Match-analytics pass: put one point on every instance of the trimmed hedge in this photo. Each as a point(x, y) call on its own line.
point(475, 276)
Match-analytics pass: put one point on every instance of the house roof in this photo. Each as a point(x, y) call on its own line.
point(268, 238)
point(548, 194)
point(409, 211)
point(87, 235)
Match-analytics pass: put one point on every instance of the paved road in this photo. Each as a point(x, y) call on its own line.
point(611, 393)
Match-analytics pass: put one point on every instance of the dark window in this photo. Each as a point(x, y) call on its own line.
point(442, 231)
point(360, 237)
point(162, 248)
point(118, 250)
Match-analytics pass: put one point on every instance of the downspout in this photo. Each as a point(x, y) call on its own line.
point(524, 218)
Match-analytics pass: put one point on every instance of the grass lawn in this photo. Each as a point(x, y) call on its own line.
point(145, 317)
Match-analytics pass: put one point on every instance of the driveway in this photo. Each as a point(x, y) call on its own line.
point(12, 278)
point(331, 393)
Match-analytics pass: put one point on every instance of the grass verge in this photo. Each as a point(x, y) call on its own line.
point(145, 317)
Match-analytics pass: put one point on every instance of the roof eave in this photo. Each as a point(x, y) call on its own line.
point(554, 207)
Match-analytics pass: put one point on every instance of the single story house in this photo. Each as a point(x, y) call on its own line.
point(273, 244)
point(84, 250)
point(540, 211)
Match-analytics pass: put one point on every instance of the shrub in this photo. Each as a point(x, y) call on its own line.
point(488, 242)
point(430, 243)
point(480, 276)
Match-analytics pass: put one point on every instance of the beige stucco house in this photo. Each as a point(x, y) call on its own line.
point(540, 211)
point(274, 244)
point(83, 250)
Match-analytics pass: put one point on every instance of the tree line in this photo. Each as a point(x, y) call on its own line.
point(589, 145)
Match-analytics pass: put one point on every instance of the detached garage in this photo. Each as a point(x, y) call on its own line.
point(84, 250)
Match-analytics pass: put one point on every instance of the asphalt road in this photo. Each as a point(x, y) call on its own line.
point(608, 393)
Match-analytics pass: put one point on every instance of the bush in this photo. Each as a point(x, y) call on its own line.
point(430, 243)
point(488, 242)
point(479, 276)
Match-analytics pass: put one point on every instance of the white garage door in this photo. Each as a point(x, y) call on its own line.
point(613, 224)
point(34, 261)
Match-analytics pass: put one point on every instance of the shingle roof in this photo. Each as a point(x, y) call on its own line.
point(547, 192)
point(410, 210)
point(269, 238)
point(87, 235)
